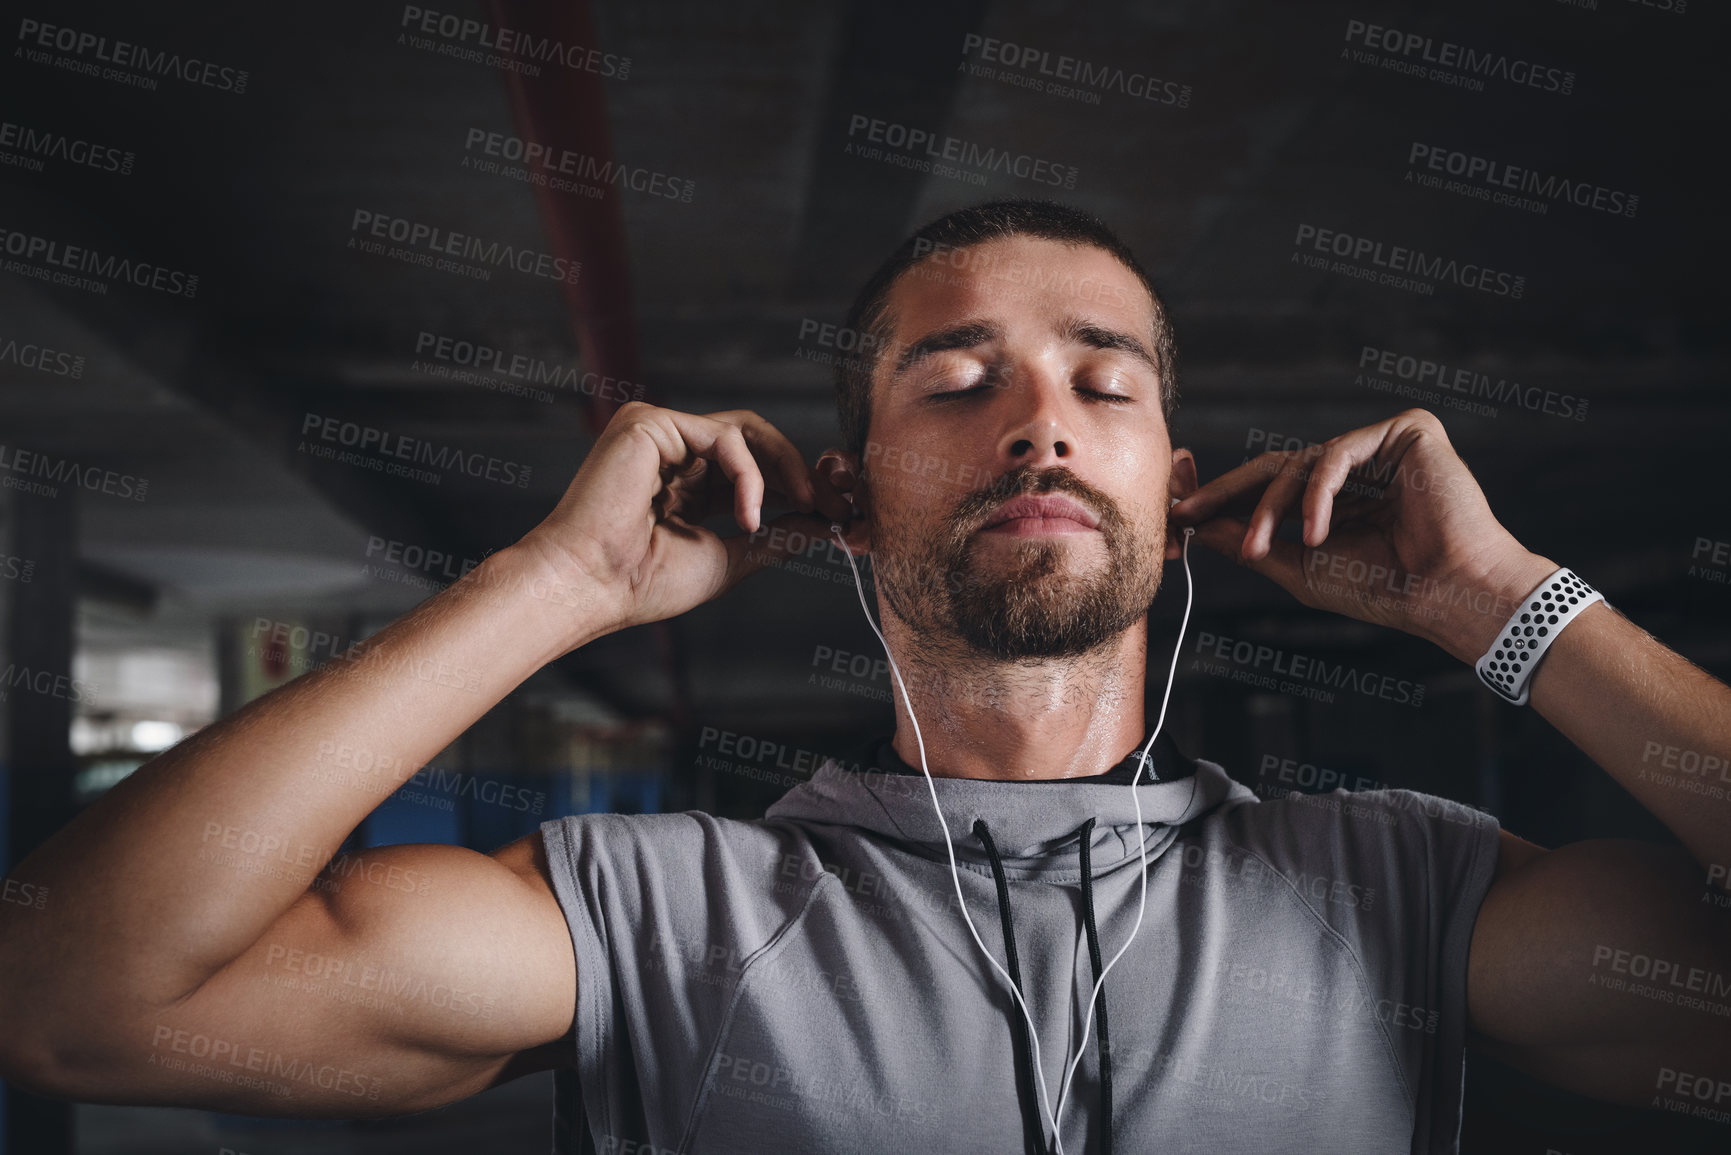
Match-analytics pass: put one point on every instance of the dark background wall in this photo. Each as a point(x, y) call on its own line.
point(176, 508)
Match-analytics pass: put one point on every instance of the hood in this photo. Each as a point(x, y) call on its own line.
point(1035, 823)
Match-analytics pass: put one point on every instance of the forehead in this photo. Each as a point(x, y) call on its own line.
point(1019, 280)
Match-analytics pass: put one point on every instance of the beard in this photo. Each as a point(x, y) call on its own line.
point(1029, 604)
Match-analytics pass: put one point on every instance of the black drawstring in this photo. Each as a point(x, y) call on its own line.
point(1033, 1127)
point(1100, 1009)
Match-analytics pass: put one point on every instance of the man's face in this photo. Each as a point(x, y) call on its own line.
point(1017, 470)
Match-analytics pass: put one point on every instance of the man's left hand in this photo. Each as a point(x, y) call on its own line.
point(1396, 532)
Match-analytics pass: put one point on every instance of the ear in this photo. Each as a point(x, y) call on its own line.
point(839, 470)
point(1181, 483)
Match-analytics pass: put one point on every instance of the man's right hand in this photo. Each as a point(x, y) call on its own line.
point(629, 528)
point(183, 958)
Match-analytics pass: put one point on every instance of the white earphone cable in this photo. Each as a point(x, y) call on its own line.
point(955, 872)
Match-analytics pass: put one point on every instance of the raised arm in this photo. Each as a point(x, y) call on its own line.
point(195, 943)
point(1603, 966)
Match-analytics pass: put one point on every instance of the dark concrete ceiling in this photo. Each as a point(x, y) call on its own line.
point(750, 105)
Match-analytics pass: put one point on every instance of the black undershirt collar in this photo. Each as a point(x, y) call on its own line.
point(1166, 763)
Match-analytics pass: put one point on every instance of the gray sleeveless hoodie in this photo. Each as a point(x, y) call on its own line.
point(805, 982)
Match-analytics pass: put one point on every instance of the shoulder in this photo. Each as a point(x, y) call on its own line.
point(654, 842)
point(689, 873)
point(1358, 821)
point(1357, 855)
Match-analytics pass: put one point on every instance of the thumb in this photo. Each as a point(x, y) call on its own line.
point(1283, 564)
point(790, 537)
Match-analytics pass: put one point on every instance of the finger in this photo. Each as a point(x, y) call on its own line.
point(783, 538)
point(1341, 455)
point(785, 470)
point(1325, 481)
point(734, 456)
point(724, 444)
point(1235, 485)
point(1282, 564)
point(1279, 498)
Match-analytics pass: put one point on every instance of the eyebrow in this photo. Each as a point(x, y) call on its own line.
point(1099, 337)
point(966, 335)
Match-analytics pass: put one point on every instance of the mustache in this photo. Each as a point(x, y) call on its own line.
point(1026, 481)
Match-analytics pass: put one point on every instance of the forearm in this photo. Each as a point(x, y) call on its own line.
point(188, 861)
point(1656, 722)
point(1653, 720)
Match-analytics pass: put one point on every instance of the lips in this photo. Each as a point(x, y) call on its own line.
point(1051, 512)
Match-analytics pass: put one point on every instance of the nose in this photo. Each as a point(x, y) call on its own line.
point(1038, 430)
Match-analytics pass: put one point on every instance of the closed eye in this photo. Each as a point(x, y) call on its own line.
point(953, 394)
point(1096, 395)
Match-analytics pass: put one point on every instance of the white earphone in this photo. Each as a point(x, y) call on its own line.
point(1052, 1116)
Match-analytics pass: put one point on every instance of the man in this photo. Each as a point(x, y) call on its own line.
point(1306, 973)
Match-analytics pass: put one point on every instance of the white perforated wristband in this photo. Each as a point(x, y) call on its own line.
point(1508, 665)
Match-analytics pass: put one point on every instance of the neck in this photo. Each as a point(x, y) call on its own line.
point(982, 717)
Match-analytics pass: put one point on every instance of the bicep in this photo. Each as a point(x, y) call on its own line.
point(1598, 966)
point(406, 978)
